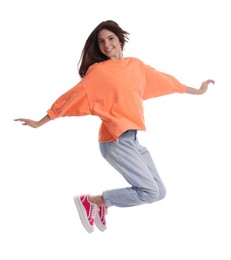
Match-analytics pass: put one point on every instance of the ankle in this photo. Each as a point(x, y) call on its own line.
point(98, 200)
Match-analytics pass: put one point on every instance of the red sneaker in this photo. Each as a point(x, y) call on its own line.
point(86, 211)
point(100, 220)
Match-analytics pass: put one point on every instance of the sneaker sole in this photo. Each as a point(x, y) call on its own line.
point(81, 211)
point(99, 224)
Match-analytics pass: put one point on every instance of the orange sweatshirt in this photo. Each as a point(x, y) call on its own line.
point(114, 91)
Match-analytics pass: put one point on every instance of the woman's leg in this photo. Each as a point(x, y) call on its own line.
point(135, 164)
point(148, 159)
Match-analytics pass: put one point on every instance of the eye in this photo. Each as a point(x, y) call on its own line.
point(100, 41)
point(111, 38)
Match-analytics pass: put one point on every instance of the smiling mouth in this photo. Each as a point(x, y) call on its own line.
point(109, 50)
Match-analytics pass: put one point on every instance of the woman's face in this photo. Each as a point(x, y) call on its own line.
point(109, 45)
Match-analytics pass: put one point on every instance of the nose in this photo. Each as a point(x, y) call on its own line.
point(107, 43)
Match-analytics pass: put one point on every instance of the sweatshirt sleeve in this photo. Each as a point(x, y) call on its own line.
point(158, 84)
point(72, 103)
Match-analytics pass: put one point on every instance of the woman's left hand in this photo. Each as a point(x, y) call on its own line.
point(204, 86)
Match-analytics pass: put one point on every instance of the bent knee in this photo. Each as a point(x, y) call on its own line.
point(162, 193)
point(155, 195)
point(148, 196)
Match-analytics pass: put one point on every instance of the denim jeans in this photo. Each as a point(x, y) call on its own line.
point(135, 164)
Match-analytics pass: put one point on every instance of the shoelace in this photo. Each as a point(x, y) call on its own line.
point(94, 208)
point(104, 211)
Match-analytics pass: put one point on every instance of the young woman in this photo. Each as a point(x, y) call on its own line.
point(113, 88)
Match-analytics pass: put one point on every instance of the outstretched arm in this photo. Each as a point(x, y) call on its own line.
point(33, 123)
point(201, 90)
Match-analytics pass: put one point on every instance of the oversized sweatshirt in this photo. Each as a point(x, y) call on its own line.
point(114, 90)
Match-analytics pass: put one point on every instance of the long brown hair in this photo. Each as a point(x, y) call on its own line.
point(91, 52)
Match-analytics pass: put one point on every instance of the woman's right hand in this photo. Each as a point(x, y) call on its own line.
point(28, 122)
point(33, 123)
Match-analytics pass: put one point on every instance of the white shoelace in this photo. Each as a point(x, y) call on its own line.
point(94, 208)
point(104, 211)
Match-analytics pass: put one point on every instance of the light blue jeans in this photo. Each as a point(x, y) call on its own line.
point(135, 164)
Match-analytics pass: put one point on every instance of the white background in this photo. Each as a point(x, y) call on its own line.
point(188, 136)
